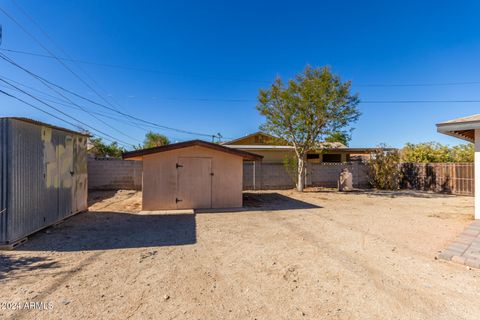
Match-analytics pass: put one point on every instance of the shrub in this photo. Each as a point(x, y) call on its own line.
point(384, 169)
point(434, 152)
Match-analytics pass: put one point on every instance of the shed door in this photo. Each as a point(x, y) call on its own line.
point(194, 185)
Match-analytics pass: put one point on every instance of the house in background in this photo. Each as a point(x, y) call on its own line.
point(275, 150)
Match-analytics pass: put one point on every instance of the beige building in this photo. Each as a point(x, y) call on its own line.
point(275, 150)
point(191, 175)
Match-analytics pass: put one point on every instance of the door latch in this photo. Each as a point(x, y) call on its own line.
point(178, 200)
point(179, 166)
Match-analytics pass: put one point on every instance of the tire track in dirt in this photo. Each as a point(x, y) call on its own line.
point(406, 297)
point(75, 271)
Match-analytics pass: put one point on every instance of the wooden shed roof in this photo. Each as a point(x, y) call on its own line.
point(462, 128)
point(200, 143)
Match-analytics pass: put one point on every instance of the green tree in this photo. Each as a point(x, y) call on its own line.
point(102, 149)
point(153, 139)
point(463, 153)
point(434, 152)
point(342, 137)
point(315, 104)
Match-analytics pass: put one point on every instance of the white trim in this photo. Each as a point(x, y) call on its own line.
point(477, 174)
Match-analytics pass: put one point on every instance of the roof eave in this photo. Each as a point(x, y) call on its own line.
point(139, 154)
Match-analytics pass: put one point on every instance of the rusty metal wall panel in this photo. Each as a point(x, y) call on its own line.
point(40, 177)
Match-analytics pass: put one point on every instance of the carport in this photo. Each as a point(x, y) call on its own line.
point(467, 128)
point(191, 175)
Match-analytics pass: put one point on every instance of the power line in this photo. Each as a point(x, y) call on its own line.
point(364, 85)
point(418, 101)
point(2, 56)
point(116, 66)
point(39, 109)
point(65, 97)
point(25, 13)
point(237, 101)
point(48, 113)
point(65, 114)
point(63, 64)
point(53, 55)
point(49, 98)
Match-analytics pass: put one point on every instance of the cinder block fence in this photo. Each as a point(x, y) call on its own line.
point(114, 174)
point(257, 175)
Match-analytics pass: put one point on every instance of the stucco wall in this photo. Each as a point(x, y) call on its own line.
point(160, 178)
point(114, 174)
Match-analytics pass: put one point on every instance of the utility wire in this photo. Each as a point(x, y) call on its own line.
point(65, 97)
point(29, 17)
point(364, 85)
point(60, 111)
point(63, 64)
point(253, 100)
point(53, 55)
point(116, 66)
point(40, 109)
point(53, 99)
point(48, 113)
point(2, 56)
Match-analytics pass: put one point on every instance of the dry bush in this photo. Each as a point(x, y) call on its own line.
point(384, 169)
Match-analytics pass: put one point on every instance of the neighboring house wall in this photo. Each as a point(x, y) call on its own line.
point(160, 178)
point(114, 174)
point(279, 156)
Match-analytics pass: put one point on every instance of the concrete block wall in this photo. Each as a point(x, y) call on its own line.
point(326, 174)
point(275, 176)
point(114, 174)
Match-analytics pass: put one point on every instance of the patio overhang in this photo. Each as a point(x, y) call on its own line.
point(462, 128)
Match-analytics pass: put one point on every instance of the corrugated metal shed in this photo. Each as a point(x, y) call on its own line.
point(43, 172)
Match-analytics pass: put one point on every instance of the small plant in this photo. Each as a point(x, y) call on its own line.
point(291, 164)
point(384, 169)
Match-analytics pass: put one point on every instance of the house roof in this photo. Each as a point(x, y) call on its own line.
point(200, 143)
point(234, 141)
point(462, 128)
point(320, 145)
point(43, 124)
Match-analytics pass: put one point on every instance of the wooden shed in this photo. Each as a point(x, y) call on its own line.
point(191, 175)
point(468, 129)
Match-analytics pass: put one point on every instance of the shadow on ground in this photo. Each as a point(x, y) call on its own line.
point(385, 193)
point(9, 263)
point(104, 230)
point(274, 201)
point(265, 201)
point(403, 193)
point(115, 230)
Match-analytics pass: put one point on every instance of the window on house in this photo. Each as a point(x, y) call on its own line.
point(332, 157)
point(311, 156)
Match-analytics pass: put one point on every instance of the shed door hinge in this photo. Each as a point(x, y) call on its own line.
point(179, 166)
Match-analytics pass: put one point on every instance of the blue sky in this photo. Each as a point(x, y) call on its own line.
point(211, 58)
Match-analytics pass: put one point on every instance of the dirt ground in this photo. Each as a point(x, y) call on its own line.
point(317, 255)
